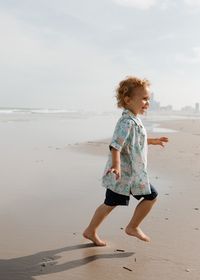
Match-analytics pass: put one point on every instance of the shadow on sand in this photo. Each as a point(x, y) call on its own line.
point(24, 268)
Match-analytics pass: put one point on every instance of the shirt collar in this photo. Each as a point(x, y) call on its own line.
point(127, 112)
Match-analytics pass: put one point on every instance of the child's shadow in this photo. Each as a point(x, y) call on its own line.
point(24, 268)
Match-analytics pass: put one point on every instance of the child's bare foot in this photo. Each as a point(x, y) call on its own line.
point(94, 238)
point(137, 232)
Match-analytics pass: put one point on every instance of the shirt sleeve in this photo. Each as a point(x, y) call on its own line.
point(121, 133)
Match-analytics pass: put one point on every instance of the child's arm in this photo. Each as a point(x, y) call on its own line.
point(157, 141)
point(115, 163)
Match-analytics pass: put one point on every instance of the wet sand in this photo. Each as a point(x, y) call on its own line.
point(49, 193)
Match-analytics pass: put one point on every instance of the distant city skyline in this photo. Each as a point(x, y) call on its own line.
point(156, 106)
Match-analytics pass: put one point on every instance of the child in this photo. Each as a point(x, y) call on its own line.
point(126, 169)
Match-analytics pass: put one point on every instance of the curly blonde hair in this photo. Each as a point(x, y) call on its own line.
point(127, 87)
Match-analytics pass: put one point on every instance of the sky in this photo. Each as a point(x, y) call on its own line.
point(71, 54)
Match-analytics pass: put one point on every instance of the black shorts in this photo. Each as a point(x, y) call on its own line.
point(114, 199)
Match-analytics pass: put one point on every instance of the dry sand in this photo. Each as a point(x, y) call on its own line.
point(49, 194)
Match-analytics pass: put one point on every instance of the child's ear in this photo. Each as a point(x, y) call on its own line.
point(126, 100)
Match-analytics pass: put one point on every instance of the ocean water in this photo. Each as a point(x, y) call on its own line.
point(46, 127)
point(50, 127)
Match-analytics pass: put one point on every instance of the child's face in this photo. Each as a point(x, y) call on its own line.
point(139, 102)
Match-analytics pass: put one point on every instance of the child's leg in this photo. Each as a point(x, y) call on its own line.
point(100, 214)
point(140, 213)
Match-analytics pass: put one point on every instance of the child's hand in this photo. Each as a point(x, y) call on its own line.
point(160, 141)
point(116, 171)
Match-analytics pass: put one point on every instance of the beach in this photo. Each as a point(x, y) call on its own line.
point(51, 168)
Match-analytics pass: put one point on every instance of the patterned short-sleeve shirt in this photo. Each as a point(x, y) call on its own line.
point(130, 139)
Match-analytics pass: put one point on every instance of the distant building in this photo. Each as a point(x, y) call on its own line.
point(191, 110)
point(167, 108)
point(196, 107)
point(188, 109)
point(154, 105)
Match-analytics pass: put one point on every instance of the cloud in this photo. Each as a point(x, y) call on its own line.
point(43, 68)
point(164, 4)
point(192, 3)
point(168, 36)
point(140, 4)
point(193, 58)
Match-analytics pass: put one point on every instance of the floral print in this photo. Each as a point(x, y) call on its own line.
point(130, 139)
